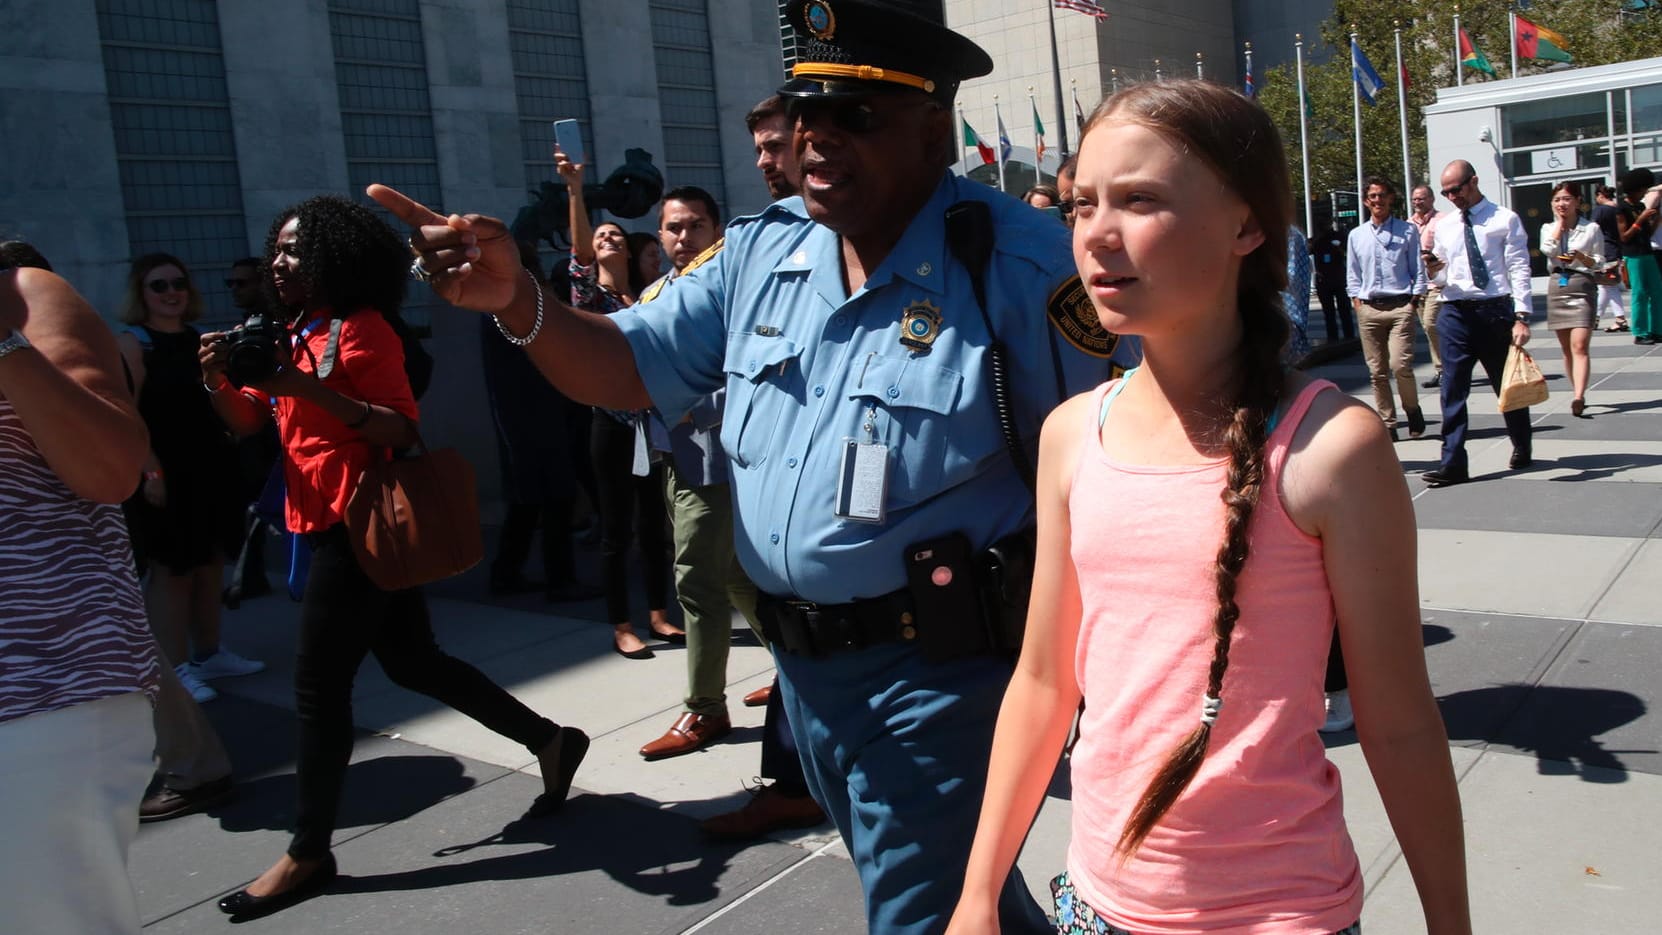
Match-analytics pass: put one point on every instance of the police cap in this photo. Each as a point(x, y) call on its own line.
point(854, 48)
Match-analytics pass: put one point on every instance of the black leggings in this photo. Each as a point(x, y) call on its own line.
point(343, 617)
point(624, 500)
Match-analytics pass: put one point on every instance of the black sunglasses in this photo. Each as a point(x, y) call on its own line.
point(849, 116)
point(160, 286)
point(1452, 189)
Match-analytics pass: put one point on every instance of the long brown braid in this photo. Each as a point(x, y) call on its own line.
point(1237, 140)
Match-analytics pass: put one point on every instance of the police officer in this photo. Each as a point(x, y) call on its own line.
point(870, 472)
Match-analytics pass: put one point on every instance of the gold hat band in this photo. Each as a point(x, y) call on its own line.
point(861, 72)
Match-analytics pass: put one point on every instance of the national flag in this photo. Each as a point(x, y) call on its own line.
point(1472, 57)
point(1361, 70)
point(1539, 42)
point(1004, 146)
point(1407, 82)
point(1248, 89)
point(971, 139)
point(1038, 135)
point(1082, 6)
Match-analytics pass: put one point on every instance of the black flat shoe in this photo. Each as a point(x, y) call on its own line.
point(645, 652)
point(676, 638)
point(245, 906)
point(1435, 381)
point(1442, 479)
point(1519, 460)
point(570, 746)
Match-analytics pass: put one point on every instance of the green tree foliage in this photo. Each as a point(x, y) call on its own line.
point(1598, 32)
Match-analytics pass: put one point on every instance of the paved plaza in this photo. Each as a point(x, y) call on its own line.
point(1543, 632)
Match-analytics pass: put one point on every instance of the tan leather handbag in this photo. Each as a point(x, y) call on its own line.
point(415, 520)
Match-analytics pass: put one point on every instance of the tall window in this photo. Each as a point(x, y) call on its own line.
point(174, 150)
point(386, 117)
point(687, 96)
point(789, 47)
point(546, 41)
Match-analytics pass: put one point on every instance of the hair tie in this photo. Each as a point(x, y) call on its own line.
point(1209, 705)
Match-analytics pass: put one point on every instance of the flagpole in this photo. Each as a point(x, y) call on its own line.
point(1114, 79)
point(1303, 133)
point(1056, 78)
point(1356, 110)
point(1459, 64)
point(1157, 75)
point(1200, 70)
point(1038, 148)
point(963, 143)
point(1249, 81)
point(1512, 30)
point(1402, 116)
point(998, 122)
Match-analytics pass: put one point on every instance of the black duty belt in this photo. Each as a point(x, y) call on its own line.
point(1502, 302)
point(804, 628)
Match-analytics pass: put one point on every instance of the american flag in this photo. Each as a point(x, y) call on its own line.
point(1083, 6)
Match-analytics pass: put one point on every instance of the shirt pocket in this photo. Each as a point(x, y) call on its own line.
point(915, 401)
point(759, 380)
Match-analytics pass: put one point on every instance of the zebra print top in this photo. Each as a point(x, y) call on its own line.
point(72, 624)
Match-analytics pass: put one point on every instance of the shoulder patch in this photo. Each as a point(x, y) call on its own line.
point(1071, 313)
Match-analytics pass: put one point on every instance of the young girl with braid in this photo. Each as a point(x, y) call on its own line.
point(1203, 522)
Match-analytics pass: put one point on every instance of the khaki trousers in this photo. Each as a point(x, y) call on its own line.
point(1426, 306)
point(1388, 348)
point(709, 586)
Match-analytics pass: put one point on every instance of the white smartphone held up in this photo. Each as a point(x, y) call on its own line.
point(569, 137)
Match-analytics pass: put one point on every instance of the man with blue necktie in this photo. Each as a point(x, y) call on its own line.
point(1480, 257)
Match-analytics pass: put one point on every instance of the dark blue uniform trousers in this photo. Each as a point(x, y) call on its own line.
point(1472, 331)
point(895, 750)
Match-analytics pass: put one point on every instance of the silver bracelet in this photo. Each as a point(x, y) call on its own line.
point(536, 325)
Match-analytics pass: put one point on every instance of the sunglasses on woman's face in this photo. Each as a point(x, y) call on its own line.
point(160, 286)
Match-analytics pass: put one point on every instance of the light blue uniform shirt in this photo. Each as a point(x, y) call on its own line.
point(806, 365)
point(1384, 260)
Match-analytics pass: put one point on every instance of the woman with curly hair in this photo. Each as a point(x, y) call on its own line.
point(341, 271)
point(605, 278)
point(1202, 522)
point(187, 519)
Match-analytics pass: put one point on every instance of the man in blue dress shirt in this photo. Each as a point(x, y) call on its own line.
point(870, 471)
point(1384, 277)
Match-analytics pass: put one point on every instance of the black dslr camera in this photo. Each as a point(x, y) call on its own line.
point(251, 355)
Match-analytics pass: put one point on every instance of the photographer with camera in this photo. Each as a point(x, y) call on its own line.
point(336, 382)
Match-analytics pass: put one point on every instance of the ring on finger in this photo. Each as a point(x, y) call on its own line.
point(419, 271)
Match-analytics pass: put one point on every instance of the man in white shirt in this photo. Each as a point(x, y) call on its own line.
point(1425, 216)
point(1480, 257)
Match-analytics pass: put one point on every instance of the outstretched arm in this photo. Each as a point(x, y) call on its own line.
point(1043, 695)
point(582, 232)
point(474, 264)
point(1345, 485)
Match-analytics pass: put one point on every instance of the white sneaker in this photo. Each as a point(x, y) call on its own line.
point(201, 691)
point(223, 665)
point(1339, 716)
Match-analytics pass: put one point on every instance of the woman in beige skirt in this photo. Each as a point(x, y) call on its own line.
point(1574, 249)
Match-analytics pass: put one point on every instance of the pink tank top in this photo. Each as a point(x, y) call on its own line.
point(1257, 842)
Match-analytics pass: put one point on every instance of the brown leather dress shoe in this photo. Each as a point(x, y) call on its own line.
point(690, 732)
point(769, 811)
point(759, 697)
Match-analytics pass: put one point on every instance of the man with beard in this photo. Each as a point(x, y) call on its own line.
point(856, 330)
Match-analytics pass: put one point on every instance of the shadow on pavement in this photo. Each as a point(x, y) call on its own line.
point(1432, 634)
point(378, 791)
point(1597, 466)
point(1560, 725)
point(631, 840)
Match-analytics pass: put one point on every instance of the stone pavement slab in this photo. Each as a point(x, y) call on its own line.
point(1633, 596)
point(1538, 574)
point(1523, 505)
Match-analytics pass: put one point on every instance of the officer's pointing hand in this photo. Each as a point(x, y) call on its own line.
point(471, 260)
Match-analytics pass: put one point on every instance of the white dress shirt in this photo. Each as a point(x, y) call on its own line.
point(1585, 236)
point(1505, 249)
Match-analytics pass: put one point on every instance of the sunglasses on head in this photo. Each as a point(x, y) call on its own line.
point(160, 286)
point(1454, 188)
point(849, 116)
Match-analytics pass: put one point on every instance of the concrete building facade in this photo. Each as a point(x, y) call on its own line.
point(1139, 39)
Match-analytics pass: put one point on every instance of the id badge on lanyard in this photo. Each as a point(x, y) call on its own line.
point(863, 476)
